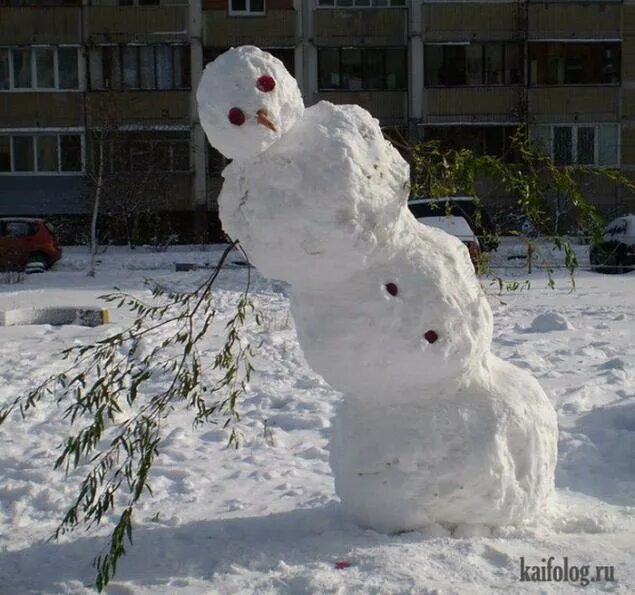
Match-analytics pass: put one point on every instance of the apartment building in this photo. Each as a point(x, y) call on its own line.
point(466, 73)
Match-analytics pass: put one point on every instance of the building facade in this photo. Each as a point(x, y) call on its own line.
point(112, 82)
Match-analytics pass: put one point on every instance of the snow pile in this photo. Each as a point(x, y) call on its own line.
point(549, 321)
point(265, 518)
point(433, 426)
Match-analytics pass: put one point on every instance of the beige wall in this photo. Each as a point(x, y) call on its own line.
point(106, 24)
point(463, 22)
point(571, 104)
point(40, 109)
point(26, 25)
point(574, 20)
point(360, 27)
point(387, 106)
point(137, 107)
point(493, 103)
point(277, 27)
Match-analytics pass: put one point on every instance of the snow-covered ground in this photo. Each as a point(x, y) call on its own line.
point(264, 518)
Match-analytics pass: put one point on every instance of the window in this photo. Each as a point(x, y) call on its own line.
point(377, 69)
point(143, 154)
point(41, 153)
point(582, 144)
point(247, 7)
point(359, 3)
point(139, 2)
point(474, 64)
point(160, 66)
point(39, 68)
point(559, 63)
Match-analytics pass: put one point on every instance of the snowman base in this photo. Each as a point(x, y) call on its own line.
point(483, 455)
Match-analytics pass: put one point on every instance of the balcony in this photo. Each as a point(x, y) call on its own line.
point(137, 108)
point(473, 104)
point(595, 20)
point(40, 109)
point(122, 24)
point(370, 26)
point(27, 25)
point(389, 107)
point(574, 104)
point(470, 22)
point(275, 28)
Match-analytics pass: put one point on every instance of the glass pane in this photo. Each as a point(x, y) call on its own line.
point(454, 64)
point(513, 63)
point(326, 2)
point(181, 66)
point(47, 153)
point(71, 149)
point(257, 5)
point(433, 65)
point(329, 68)
point(474, 64)
point(494, 64)
point(23, 153)
point(373, 69)
point(607, 144)
point(5, 153)
point(165, 71)
point(148, 2)
point(541, 138)
point(181, 156)
point(140, 156)
point(351, 69)
point(148, 80)
point(239, 5)
point(610, 63)
point(131, 67)
point(112, 67)
point(67, 64)
point(45, 68)
point(22, 68)
point(4, 69)
point(586, 145)
point(562, 145)
point(396, 70)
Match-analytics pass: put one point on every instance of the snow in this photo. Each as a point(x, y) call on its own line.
point(265, 518)
point(224, 86)
point(433, 428)
point(549, 321)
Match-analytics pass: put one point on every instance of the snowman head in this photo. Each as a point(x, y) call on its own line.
point(247, 100)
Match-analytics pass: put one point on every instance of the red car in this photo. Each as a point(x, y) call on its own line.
point(26, 241)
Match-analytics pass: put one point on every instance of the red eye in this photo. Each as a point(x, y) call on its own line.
point(430, 336)
point(392, 289)
point(236, 116)
point(266, 83)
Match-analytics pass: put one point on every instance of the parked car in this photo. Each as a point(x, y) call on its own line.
point(461, 206)
point(460, 228)
point(27, 243)
point(616, 252)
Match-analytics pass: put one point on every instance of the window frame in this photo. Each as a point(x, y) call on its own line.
point(570, 42)
point(44, 132)
point(362, 50)
point(484, 44)
point(119, 50)
point(574, 141)
point(121, 149)
point(335, 5)
point(248, 12)
point(33, 88)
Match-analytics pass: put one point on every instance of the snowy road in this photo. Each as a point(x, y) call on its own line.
point(264, 518)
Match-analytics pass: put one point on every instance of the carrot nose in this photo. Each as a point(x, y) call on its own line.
point(262, 117)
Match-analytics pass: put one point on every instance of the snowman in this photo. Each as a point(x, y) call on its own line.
point(432, 428)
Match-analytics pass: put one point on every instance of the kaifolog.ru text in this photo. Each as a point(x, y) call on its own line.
point(550, 571)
